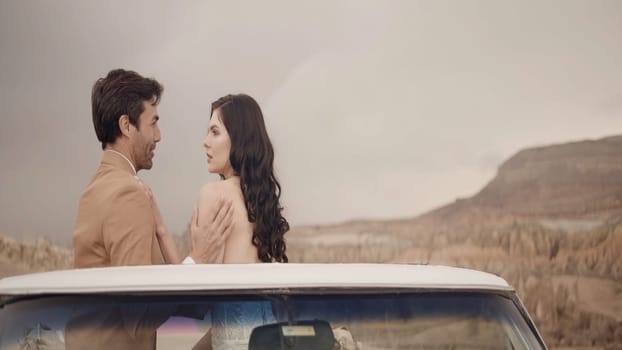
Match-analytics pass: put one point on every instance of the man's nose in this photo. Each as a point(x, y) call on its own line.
point(157, 135)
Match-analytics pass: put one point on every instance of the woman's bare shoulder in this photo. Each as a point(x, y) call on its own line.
point(211, 198)
point(224, 189)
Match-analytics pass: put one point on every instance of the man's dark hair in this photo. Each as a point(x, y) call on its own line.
point(120, 92)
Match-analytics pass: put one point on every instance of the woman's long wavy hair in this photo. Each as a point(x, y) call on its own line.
point(252, 158)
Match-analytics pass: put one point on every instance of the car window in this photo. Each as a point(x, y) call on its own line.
point(399, 320)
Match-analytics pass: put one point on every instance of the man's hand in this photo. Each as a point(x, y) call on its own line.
point(207, 242)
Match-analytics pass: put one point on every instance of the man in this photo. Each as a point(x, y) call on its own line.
point(115, 223)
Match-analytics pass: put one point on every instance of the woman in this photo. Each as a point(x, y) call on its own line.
point(238, 148)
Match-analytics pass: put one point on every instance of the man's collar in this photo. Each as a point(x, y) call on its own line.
point(124, 157)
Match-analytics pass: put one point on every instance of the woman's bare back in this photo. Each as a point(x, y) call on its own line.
point(238, 247)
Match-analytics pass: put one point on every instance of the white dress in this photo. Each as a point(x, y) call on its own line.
point(232, 323)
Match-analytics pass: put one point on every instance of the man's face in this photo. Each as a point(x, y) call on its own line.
point(146, 136)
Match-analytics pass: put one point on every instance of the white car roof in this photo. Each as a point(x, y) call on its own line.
point(160, 278)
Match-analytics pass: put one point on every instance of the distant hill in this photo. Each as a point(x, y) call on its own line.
point(573, 180)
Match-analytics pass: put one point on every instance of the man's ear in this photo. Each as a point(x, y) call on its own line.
point(125, 125)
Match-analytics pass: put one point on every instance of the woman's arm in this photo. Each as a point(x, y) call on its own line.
point(168, 246)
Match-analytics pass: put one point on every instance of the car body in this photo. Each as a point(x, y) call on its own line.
point(264, 306)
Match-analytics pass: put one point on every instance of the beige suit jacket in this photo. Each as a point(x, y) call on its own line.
point(115, 224)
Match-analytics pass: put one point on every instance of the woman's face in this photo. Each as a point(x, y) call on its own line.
point(218, 146)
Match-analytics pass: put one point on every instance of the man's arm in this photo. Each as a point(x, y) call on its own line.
point(129, 228)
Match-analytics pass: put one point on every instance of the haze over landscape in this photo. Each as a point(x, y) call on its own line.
point(376, 109)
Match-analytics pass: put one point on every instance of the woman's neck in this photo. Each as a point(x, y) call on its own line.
point(232, 177)
point(229, 173)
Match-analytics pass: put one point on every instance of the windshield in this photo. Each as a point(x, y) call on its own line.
point(439, 320)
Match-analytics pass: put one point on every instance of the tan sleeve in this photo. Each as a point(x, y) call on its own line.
point(129, 229)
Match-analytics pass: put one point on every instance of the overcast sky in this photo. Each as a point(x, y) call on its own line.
point(377, 109)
